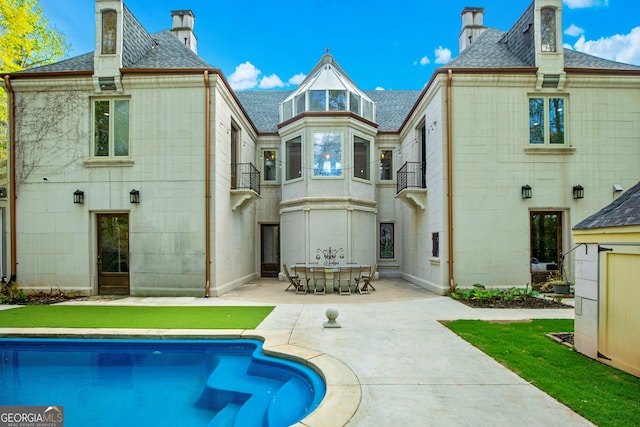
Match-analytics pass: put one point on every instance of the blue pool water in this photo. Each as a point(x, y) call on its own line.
point(158, 382)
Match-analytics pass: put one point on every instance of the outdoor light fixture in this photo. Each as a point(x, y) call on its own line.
point(526, 191)
point(578, 192)
point(78, 197)
point(134, 196)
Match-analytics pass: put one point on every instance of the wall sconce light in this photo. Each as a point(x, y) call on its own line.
point(617, 187)
point(78, 197)
point(578, 192)
point(134, 196)
point(526, 191)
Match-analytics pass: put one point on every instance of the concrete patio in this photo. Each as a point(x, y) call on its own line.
point(391, 363)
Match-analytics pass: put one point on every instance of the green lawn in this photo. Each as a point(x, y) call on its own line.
point(603, 395)
point(136, 317)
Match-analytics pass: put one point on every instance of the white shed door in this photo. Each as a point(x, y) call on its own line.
point(619, 320)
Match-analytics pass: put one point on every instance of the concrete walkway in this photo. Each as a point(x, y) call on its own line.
point(403, 368)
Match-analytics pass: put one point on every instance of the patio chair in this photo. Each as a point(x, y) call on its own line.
point(293, 280)
point(304, 275)
point(344, 280)
point(366, 280)
point(318, 276)
point(364, 270)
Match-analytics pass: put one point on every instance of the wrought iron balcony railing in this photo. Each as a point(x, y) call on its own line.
point(245, 176)
point(410, 175)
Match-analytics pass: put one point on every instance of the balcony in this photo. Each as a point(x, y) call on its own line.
point(411, 187)
point(245, 184)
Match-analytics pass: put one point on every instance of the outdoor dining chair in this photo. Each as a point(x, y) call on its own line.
point(318, 276)
point(344, 280)
point(294, 280)
point(366, 280)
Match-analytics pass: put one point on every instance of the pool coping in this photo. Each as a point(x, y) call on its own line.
point(343, 390)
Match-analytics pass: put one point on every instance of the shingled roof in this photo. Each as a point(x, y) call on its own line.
point(625, 210)
point(515, 48)
point(392, 107)
point(140, 50)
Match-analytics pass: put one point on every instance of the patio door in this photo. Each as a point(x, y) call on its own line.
point(546, 243)
point(113, 254)
point(270, 250)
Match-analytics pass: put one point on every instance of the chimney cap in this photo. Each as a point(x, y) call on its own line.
point(472, 10)
point(182, 12)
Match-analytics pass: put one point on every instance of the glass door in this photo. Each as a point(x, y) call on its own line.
point(113, 254)
point(270, 250)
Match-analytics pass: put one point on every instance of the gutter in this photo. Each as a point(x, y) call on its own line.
point(452, 284)
point(12, 179)
point(207, 184)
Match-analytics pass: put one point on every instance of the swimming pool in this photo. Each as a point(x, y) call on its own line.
point(158, 382)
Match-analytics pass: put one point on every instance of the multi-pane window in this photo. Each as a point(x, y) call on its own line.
point(109, 31)
point(548, 30)
point(360, 158)
point(327, 154)
point(111, 128)
point(294, 158)
point(546, 120)
point(386, 165)
point(269, 165)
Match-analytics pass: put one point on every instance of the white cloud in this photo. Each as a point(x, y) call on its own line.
point(443, 55)
point(580, 4)
point(244, 77)
point(620, 47)
point(379, 88)
point(424, 60)
point(297, 79)
point(574, 31)
point(269, 82)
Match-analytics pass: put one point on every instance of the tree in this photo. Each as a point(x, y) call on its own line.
point(27, 40)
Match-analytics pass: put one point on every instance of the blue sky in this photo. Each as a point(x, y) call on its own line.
point(380, 44)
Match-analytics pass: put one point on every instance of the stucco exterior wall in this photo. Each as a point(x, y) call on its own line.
point(492, 159)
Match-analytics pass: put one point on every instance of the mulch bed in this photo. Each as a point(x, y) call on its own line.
point(527, 303)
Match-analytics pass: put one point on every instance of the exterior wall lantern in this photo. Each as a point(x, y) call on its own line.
point(134, 196)
point(526, 191)
point(578, 192)
point(78, 197)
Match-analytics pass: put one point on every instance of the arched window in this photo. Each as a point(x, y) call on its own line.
point(548, 29)
point(109, 30)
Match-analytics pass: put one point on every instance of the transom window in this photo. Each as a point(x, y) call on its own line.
point(546, 120)
point(327, 154)
point(111, 128)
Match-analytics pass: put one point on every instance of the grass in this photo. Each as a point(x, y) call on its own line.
point(136, 317)
point(600, 393)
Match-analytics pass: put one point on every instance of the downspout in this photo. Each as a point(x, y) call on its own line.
point(450, 181)
point(12, 178)
point(207, 184)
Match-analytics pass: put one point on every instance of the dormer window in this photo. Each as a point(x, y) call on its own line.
point(109, 31)
point(548, 29)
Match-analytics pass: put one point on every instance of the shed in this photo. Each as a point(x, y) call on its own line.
point(607, 283)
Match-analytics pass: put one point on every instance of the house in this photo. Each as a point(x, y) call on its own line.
point(136, 169)
point(607, 326)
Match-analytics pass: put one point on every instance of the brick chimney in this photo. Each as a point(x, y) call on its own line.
point(182, 26)
point(472, 26)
